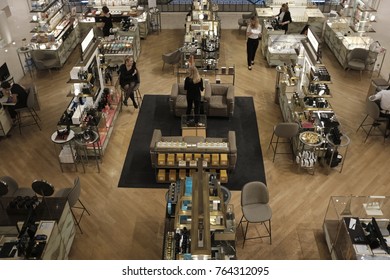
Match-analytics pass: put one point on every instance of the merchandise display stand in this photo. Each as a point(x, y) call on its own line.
point(338, 152)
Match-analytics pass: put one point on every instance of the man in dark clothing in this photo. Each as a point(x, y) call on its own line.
point(17, 94)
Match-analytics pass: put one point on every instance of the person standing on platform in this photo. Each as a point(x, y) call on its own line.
point(107, 20)
point(253, 33)
point(16, 94)
point(284, 17)
point(193, 84)
point(129, 80)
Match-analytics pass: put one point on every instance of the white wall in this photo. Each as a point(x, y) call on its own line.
point(382, 34)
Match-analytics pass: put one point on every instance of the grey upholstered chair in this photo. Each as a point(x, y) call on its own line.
point(283, 130)
point(373, 111)
point(13, 189)
point(219, 100)
point(243, 21)
point(357, 60)
point(255, 208)
point(73, 196)
point(178, 100)
point(172, 58)
point(28, 112)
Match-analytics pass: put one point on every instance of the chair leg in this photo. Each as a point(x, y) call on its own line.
point(362, 123)
point(276, 148)
point(163, 66)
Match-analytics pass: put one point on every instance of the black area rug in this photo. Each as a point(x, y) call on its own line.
point(154, 113)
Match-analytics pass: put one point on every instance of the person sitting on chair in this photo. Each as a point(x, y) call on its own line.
point(383, 97)
point(16, 94)
point(129, 79)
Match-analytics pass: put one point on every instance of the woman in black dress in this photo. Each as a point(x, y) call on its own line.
point(129, 79)
point(107, 20)
point(193, 84)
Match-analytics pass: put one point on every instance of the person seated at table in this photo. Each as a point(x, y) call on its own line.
point(129, 80)
point(16, 94)
point(383, 98)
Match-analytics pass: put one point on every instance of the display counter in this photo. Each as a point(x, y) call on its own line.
point(47, 234)
point(303, 15)
point(119, 14)
point(341, 40)
point(198, 224)
point(125, 43)
point(93, 104)
point(283, 49)
point(303, 94)
point(357, 227)
point(55, 34)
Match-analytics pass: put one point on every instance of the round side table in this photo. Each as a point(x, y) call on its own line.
point(87, 139)
point(337, 150)
point(67, 153)
point(307, 156)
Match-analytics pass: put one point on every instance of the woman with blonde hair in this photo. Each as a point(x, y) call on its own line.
point(253, 33)
point(193, 84)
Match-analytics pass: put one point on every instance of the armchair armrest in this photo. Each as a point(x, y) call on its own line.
point(173, 97)
point(230, 100)
point(233, 149)
point(155, 138)
point(207, 92)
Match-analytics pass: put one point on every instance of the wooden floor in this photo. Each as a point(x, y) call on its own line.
point(128, 223)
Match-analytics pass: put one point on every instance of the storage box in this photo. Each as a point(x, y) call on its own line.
point(206, 157)
point(182, 163)
point(171, 159)
point(188, 157)
point(223, 177)
point(161, 175)
point(172, 175)
point(224, 160)
point(197, 156)
point(179, 157)
point(193, 163)
point(161, 159)
point(215, 159)
point(182, 174)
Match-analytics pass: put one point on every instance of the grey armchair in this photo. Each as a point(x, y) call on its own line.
point(357, 59)
point(219, 100)
point(172, 58)
point(178, 100)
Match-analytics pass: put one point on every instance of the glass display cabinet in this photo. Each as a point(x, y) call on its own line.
point(283, 48)
point(357, 227)
point(54, 34)
point(361, 14)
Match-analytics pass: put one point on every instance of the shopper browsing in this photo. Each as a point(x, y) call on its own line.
point(193, 84)
point(16, 94)
point(253, 33)
point(129, 80)
point(284, 17)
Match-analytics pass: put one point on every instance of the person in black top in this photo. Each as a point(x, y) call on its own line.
point(193, 84)
point(284, 17)
point(129, 79)
point(107, 20)
point(18, 95)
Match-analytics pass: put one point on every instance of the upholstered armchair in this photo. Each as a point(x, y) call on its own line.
point(219, 100)
point(178, 100)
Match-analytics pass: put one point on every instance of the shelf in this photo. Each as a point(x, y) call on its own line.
point(42, 9)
